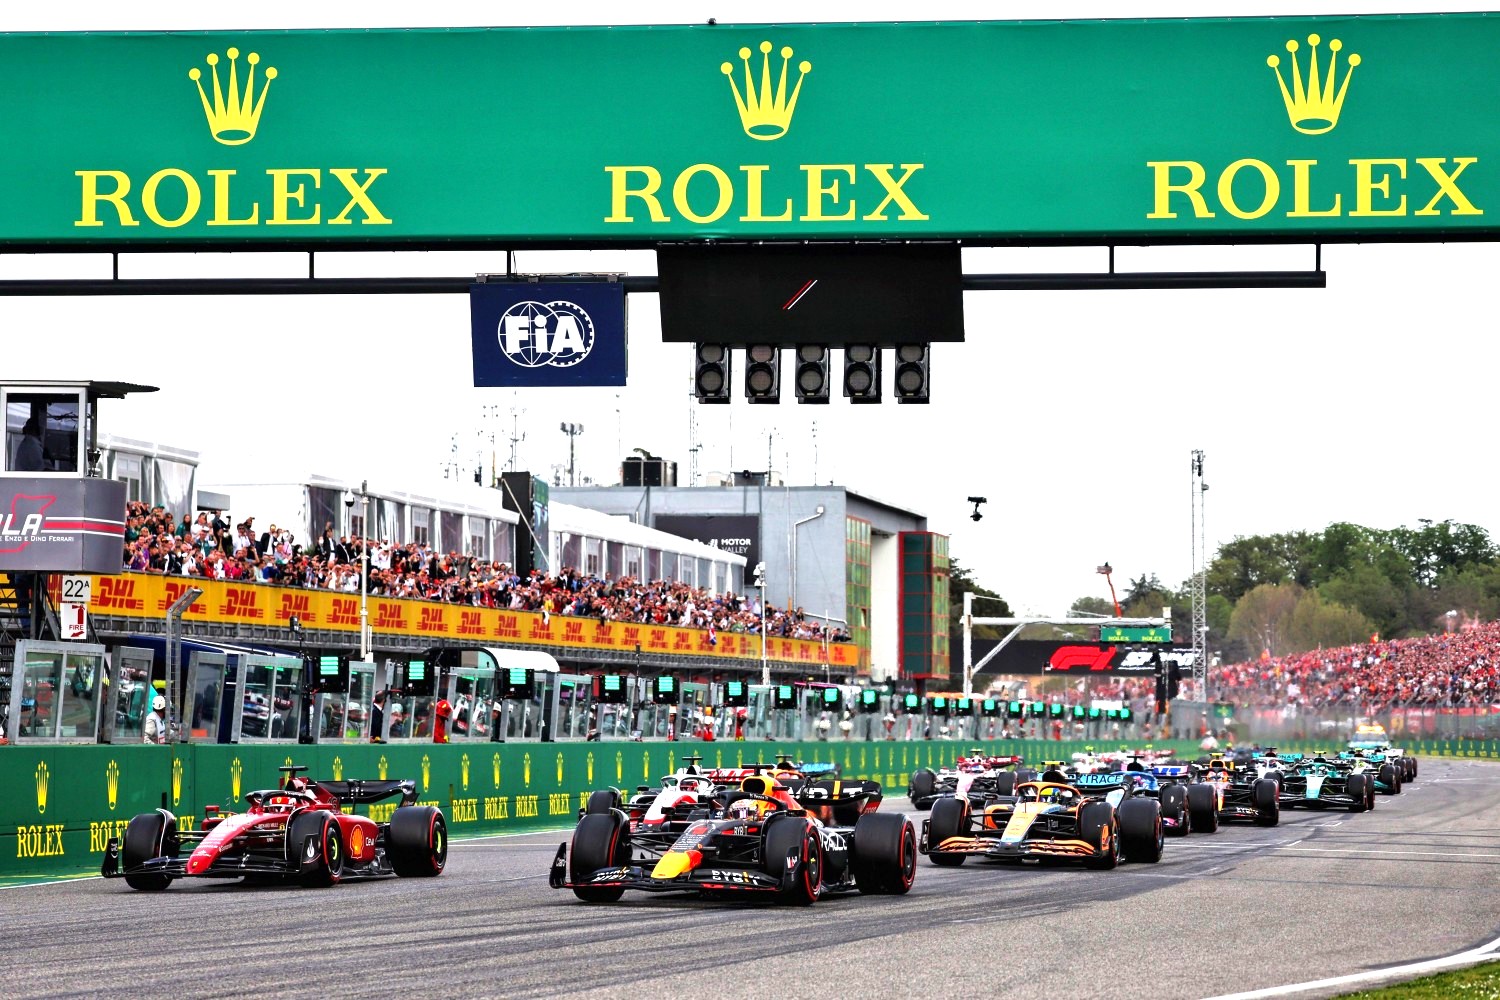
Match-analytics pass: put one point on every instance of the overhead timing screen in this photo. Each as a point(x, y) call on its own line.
point(829, 294)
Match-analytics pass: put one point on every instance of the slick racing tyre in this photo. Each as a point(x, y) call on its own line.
point(794, 835)
point(1361, 790)
point(922, 782)
point(1390, 777)
point(602, 801)
point(1174, 807)
point(1005, 783)
point(602, 840)
point(1054, 774)
point(1096, 825)
point(1203, 808)
point(1140, 830)
point(1266, 794)
point(417, 844)
point(950, 818)
point(885, 854)
point(321, 859)
point(148, 836)
point(1412, 773)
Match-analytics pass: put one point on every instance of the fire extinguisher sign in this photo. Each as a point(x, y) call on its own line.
point(73, 609)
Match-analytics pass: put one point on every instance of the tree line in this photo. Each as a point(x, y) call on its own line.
point(1298, 590)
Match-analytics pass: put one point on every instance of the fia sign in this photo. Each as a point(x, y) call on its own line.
point(529, 333)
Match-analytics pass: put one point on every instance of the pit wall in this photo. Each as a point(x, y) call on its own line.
point(59, 805)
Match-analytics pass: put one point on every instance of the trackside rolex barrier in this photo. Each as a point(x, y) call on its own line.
point(59, 805)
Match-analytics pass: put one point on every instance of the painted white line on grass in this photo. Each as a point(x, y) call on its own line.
point(1473, 956)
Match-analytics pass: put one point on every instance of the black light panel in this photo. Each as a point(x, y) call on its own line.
point(829, 294)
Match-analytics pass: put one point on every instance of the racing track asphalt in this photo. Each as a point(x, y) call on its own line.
point(1323, 894)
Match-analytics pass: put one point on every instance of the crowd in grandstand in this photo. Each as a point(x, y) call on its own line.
point(209, 547)
point(1450, 669)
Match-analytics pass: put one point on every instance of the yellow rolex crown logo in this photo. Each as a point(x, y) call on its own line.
point(559, 768)
point(1312, 104)
point(496, 763)
point(41, 787)
point(176, 781)
point(338, 769)
point(236, 771)
point(426, 772)
point(383, 766)
point(112, 783)
point(464, 767)
point(766, 112)
point(232, 118)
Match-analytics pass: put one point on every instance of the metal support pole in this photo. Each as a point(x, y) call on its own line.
point(968, 643)
point(174, 661)
point(364, 571)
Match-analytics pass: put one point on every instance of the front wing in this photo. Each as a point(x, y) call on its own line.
point(224, 866)
point(994, 847)
point(706, 879)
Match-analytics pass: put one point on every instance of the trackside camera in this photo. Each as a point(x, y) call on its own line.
point(976, 501)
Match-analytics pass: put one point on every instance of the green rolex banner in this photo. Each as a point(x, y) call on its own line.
point(1335, 127)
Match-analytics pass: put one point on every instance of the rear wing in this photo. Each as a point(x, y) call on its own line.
point(357, 792)
point(833, 790)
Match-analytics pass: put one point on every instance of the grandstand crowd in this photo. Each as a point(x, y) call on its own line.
point(1451, 669)
point(209, 547)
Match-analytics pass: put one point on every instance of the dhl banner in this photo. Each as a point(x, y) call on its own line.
point(146, 595)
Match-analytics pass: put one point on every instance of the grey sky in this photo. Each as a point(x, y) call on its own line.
point(1369, 401)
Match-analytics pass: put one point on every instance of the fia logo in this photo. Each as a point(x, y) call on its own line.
point(539, 335)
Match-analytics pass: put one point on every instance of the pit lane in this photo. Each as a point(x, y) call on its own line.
point(1321, 895)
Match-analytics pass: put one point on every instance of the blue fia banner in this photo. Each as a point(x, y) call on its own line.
point(548, 334)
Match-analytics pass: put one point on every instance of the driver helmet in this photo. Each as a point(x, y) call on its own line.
point(745, 809)
point(158, 704)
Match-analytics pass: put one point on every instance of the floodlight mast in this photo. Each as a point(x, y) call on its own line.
point(970, 620)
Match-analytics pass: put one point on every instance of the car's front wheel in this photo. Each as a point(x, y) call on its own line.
point(602, 840)
point(149, 836)
point(314, 840)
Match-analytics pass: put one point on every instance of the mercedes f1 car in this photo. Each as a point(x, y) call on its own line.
point(296, 832)
point(757, 840)
point(977, 775)
point(1048, 820)
point(1322, 782)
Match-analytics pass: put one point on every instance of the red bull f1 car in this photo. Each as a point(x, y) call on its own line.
point(756, 840)
point(1048, 820)
point(297, 832)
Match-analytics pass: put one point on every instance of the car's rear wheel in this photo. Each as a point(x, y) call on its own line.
point(1359, 791)
point(149, 836)
point(321, 858)
point(1390, 777)
point(1266, 794)
point(885, 854)
point(1056, 775)
point(1096, 825)
point(1005, 783)
point(785, 838)
point(921, 785)
point(1174, 806)
point(602, 840)
point(1203, 808)
point(418, 841)
point(950, 818)
point(1140, 830)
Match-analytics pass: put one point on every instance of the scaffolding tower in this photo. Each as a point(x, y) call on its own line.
point(1200, 581)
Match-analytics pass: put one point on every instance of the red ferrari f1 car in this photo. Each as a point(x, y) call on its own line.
point(296, 832)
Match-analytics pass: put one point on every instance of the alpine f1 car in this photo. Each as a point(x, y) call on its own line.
point(976, 775)
point(296, 832)
point(758, 840)
point(1322, 782)
point(1224, 792)
point(1047, 820)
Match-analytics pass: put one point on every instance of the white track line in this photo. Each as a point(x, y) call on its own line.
point(1473, 956)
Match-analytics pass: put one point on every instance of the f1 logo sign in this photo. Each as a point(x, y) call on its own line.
point(1081, 658)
